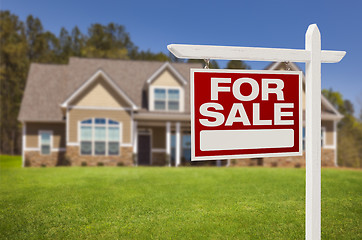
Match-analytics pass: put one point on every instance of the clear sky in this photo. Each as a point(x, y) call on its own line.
point(280, 24)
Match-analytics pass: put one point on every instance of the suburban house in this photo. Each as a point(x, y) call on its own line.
point(120, 112)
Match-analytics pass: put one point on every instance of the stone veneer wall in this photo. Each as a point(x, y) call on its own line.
point(125, 159)
point(328, 156)
point(35, 159)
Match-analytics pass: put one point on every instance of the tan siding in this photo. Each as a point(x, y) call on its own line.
point(159, 137)
point(329, 132)
point(76, 115)
point(100, 94)
point(32, 134)
point(166, 79)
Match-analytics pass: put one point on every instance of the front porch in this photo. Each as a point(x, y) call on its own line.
point(165, 143)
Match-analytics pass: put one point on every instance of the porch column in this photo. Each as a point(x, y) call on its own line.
point(168, 142)
point(23, 145)
point(335, 143)
point(135, 143)
point(178, 144)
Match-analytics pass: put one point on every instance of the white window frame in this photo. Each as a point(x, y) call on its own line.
point(151, 98)
point(40, 142)
point(323, 137)
point(93, 125)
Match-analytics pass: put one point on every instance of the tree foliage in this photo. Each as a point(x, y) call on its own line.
point(237, 64)
point(212, 64)
point(349, 131)
point(14, 65)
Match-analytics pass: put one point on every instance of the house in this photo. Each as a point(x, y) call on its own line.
point(119, 112)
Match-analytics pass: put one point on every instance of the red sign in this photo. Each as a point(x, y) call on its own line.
point(245, 113)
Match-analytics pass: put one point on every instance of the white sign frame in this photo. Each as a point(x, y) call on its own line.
point(313, 56)
point(239, 156)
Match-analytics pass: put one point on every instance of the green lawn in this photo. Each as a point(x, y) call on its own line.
point(172, 203)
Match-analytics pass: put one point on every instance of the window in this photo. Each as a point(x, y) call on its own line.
point(167, 99)
point(323, 129)
point(186, 147)
point(45, 142)
point(160, 99)
point(173, 99)
point(99, 136)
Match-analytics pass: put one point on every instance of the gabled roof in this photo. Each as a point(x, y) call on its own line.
point(94, 77)
point(325, 103)
point(50, 85)
point(167, 66)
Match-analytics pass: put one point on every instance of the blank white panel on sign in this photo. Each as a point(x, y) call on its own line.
point(246, 139)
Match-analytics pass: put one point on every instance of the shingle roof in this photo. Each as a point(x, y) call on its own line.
point(49, 85)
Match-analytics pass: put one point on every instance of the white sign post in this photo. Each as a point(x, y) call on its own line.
point(313, 56)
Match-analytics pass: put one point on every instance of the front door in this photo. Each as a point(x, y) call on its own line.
point(144, 149)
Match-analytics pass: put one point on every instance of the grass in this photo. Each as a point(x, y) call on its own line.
point(10, 161)
point(172, 203)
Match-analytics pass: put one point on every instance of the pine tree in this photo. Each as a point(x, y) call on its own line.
point(14, 66)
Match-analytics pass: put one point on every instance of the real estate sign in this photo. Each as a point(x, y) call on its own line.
point(244, 113)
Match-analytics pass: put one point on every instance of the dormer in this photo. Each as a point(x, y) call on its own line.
point(166, 90)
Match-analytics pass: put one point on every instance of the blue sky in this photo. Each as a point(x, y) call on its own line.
point(280, 24)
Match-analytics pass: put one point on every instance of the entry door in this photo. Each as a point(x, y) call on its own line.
point(144, 149)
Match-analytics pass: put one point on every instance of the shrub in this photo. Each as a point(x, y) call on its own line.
point(84, 164)
point(297, 165)
point(27, 162)
point(67, 161)
point(100, 164)
point(134, 157)
point(120, 164)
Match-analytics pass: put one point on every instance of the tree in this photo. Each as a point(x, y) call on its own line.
point(335, 98)
point(237, 64)
point(14, 66)
point(212, 64)
point(43, 46)
point(349, 131)
point(149, 56)
point(65, 45)
point(77, 41)
point(111, 41)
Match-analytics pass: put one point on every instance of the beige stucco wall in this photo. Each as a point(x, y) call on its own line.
point(329, 132)
point(166, 79)
point(32, 134)
point(99, 94)
point(77, 115)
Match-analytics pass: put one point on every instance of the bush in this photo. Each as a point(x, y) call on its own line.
point(100, 164)
point(120, 164)
point(134, 157)
point(27, 162)
point(84, 164)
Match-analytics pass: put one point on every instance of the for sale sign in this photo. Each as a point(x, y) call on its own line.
point(243, 113)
